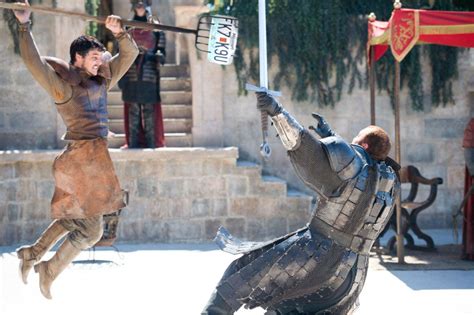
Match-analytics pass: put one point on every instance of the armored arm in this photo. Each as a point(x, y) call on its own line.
point(323, 165)
point(161, 47)
point(287, 127)
point(314, 164)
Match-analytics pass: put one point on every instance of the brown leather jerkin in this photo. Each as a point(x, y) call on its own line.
point(86, 184)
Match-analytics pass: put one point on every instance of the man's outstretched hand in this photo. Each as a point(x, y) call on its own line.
point(114, 24)
point(23, 16)
point(266, 103)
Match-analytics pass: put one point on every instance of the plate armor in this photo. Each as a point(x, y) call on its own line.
point(321, 268)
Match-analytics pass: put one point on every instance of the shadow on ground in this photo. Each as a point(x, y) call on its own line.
point(445, 257)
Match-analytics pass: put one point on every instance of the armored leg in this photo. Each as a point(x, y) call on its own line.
point(31, 254)
point(148, 111)
point(217, 306)
point(134, 120)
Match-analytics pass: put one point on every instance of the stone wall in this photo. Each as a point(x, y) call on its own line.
point(176, 195)
point(430, 140)
point(207, 84)
point(28, 118)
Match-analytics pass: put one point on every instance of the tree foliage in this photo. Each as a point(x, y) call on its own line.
point(321, 48)
point(92, 8)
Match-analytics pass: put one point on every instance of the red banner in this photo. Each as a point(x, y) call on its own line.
point(404, 32)
point(447, 28)
point(407, 27)
point(377, 41)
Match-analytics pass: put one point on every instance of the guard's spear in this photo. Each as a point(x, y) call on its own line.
point(215, 34)
point(265, 150)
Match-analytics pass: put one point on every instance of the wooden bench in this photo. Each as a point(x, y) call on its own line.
point(412, 208)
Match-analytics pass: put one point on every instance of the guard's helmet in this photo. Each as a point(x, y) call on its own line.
point(138, 3)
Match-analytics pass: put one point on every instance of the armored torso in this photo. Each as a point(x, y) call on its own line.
point(357, 214)
point(141, 83)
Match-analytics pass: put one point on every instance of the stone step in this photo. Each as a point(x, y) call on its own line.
point(172, 140)
point(115, 111)
point(250, 169)
point(172, 125)
point(272, 185)
point(273, 179)
point(174, 71)
point(248, 165)
point(114, 98)
point(176, 97)
point(167, 97)
point(267, 184)
point(168, 84)
point(296, 193)
point(169, 111)
point(175, 84)
point(177, 111)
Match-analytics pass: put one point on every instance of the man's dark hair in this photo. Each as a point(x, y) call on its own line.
point(82, 45)
point(377, 140)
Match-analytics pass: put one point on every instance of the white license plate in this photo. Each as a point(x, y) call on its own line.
point(222, 40)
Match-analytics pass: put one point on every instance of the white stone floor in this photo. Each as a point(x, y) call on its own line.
point(178, 279)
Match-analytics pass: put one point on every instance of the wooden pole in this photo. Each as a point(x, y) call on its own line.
point(97, 19)
point(396, 91)
point(372, 85)
point(372, 18)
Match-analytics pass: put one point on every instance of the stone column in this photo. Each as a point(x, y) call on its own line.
point(207, 80)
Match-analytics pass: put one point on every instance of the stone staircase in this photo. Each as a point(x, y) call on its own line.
point(176, 102)
point(186, 194)
point(176, 195)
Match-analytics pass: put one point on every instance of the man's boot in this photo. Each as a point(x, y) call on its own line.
point(49, 270)
point(31, 254)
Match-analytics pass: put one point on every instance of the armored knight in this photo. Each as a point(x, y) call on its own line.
point(321, 268)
